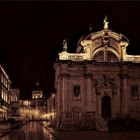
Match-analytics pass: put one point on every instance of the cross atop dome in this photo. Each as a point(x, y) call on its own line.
point(90, 27)
point(37, 82)
point(106, 23)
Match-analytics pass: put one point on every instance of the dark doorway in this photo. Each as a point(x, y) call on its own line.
point(106, 107)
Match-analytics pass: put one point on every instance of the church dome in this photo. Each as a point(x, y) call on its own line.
point(101, 46)
point(37, 87)
point(101, 41)
point(37, 92)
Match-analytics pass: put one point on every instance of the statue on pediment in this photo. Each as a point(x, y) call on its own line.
point(65, 45)
point(106, 23)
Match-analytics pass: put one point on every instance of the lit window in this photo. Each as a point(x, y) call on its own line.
point(134, 92)
point(4, 80)
point(6, 97)
point(76, 92)
point(1, 77)
point(6, 83)
point(2, 95)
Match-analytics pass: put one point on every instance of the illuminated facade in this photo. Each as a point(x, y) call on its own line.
point(34, 109)
point(14, 104)
point(25, 110)
point(97, 83)
point(38, 102)
point(5, 85)
point(37, 93)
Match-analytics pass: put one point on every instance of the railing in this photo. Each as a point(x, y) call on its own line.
point(73, 116)
point(77, 120)
point(76, 57)
point(133, 59)
point(78, 116)
point(135, 116)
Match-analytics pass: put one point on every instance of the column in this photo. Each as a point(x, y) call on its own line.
point(64, 91)
point(58, 92)
point(89, 92)
point(123, 94)
point(99, 105)
point(94, 99)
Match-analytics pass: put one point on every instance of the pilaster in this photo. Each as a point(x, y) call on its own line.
point(64, 77)
point(89, 97)
point(123, 94)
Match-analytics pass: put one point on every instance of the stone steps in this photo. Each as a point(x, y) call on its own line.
point(101, 124)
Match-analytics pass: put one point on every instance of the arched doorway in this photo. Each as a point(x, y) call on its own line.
point(106, 107)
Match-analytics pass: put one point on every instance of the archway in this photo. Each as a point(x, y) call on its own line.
point(106, 107)
point(105, 56)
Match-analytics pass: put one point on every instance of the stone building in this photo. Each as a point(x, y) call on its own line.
point(26, 112)
point(14, 104)
point(97, 83)
point(5, 85)
point(38, 102)
point(35, 108)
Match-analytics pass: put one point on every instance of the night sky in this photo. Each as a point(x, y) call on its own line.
point(31, 35)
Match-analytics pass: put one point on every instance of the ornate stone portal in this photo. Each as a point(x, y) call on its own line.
point(96, 84)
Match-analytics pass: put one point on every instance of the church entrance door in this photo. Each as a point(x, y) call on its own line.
point(106, 107)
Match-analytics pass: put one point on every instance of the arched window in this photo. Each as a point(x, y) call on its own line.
point(105, 56)
point(76, 92)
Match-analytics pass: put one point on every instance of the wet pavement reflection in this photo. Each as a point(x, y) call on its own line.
point(35, 131)
point(30, 131)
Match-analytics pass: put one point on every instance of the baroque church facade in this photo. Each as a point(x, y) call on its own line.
point(98, 82)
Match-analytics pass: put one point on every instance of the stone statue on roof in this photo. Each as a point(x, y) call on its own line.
point(106, 23)
point(65, 45)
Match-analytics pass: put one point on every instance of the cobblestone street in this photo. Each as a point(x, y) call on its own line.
point(30, 131)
